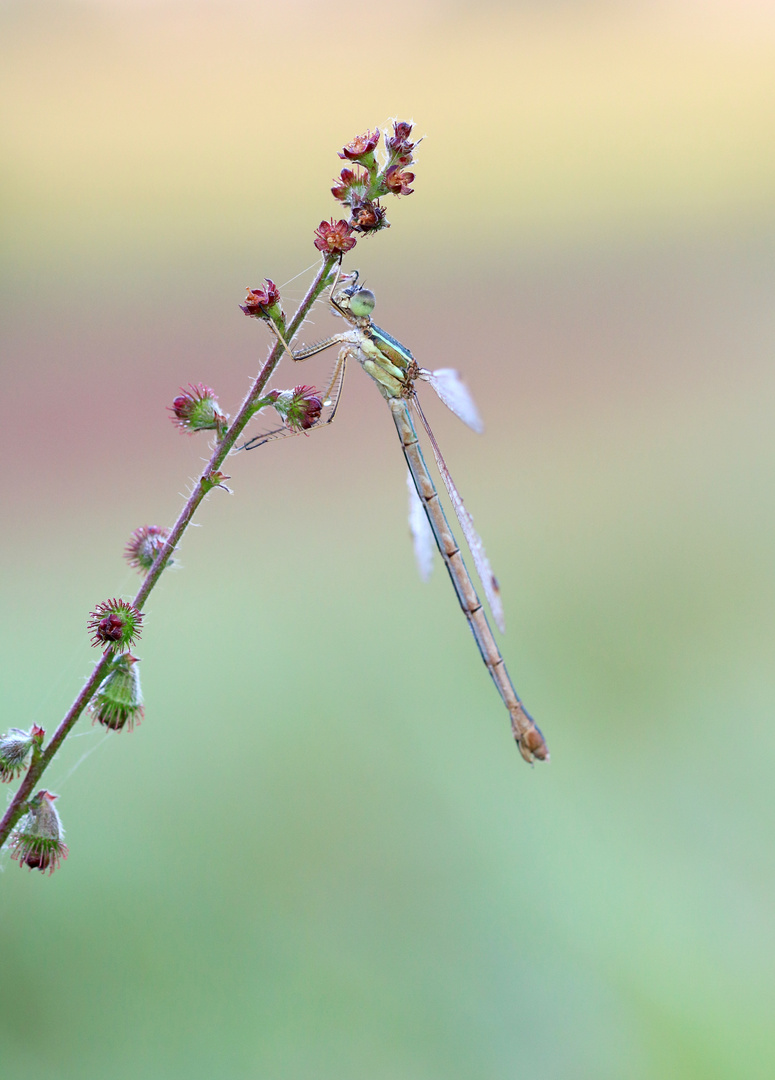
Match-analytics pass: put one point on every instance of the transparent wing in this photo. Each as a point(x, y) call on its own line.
point(455, 395)
point(474, 541)
point(422, 534)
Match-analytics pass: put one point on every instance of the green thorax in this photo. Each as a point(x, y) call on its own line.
point(389, 363)
point(391, 349)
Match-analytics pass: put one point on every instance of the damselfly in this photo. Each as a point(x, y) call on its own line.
point(395, 371)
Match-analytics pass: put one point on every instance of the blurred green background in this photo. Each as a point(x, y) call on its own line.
point(320, 855)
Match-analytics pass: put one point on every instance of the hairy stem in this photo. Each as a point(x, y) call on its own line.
point(206, 481)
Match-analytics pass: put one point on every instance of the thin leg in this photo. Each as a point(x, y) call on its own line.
point(304, 353)
point(335, 384)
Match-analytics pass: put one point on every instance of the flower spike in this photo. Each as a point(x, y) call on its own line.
point(361, 190)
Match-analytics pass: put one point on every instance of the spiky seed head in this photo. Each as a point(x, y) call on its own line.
point(144, 545)
point(38, 841)
point(116, 625)
point(299, 408)
point(15, 746)
point(197, 409)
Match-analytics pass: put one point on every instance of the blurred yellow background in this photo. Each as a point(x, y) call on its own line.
point(320, 855)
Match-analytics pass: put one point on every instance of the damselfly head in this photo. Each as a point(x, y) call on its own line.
point(343, 288)
point(353, 298)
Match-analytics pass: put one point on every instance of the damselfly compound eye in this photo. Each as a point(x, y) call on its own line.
point(362, 303)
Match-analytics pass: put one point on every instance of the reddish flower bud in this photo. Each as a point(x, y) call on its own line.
point(115, 624)
point(197, 409)
point(110, 628)
point(333, 237)
point(306, 407)
point(351, 185)
point(144, 545)
point(15, 747)
point(361, 146)
point(369, 216)
point(299, 408)
point(38, 842)
point(258, 301)
point(398, 144)
point(397, 182)
point(118, 701)
point(401, 131)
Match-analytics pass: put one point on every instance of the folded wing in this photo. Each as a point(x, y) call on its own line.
point(455, 395)
point(474, 541)
point(422, 535)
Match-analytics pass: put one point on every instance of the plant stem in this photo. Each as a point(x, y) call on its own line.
point(18, 804)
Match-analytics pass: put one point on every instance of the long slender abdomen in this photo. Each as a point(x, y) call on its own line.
point(529, 739)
